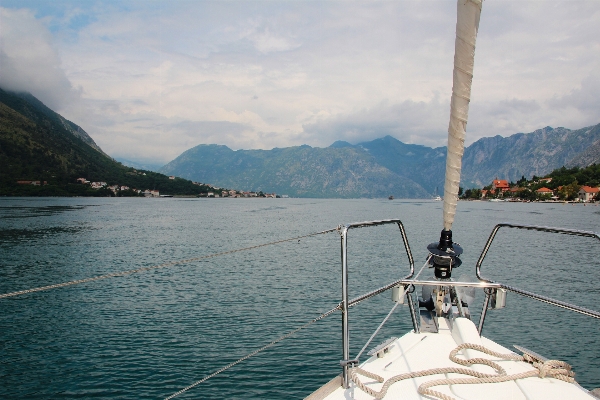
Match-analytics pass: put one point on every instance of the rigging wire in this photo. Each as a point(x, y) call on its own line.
point(287, 335)
point(376, 331)
point(388, 316)
point(167, 264)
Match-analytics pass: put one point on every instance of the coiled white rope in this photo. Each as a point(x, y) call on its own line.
point(551, 368)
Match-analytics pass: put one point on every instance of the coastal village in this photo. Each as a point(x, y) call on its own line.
point(215, 193)
point(499, 190)
point(535, 190)
point(544, 189)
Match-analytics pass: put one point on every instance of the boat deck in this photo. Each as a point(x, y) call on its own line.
point(418, 352)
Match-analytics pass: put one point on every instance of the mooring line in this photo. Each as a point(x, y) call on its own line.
point(247, 356)
point(168, 264)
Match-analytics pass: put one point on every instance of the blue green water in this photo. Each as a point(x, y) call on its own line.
point(148, 335)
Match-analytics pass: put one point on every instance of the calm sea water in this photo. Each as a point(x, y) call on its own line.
point(148, 335)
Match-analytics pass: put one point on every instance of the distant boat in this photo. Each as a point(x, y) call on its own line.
point(436, 196)
point(391, 198)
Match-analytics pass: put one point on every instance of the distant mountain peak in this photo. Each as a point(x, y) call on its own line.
point(338, 144)
point(384, 166)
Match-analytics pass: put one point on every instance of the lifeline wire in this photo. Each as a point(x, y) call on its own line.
point(143, 269)
point(287, 335)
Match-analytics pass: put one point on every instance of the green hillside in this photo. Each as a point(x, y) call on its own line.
point(589, 176)
point(37, 144)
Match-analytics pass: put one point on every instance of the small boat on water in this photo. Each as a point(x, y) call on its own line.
point(437, 198)
point(391, 198)
point(445, 355)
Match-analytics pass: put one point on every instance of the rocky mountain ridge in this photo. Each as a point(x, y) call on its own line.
point(536, 153)
point(384, 166)
point(38, 144)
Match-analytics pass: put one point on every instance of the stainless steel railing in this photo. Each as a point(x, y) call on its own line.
point(526, 293)
point(489, 286)
point(345, 304)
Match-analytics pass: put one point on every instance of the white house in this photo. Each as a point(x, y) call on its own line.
point(587, 193)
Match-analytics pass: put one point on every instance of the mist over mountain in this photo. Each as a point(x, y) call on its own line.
point(39, 145)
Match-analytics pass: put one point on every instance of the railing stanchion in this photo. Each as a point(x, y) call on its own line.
point(413, 315)
point(345, 328)
point(486, 303)
point(346, 304)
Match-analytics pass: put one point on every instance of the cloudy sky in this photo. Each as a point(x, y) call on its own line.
point(151, 79)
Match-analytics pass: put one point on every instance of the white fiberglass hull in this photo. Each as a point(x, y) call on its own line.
point(425, 351)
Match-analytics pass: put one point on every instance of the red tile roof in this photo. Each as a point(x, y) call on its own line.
point(500, 184)
point(589, 189)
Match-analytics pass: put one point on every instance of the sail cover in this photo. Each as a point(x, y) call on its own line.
point(467, 24)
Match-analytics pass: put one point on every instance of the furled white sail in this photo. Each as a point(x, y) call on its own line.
point(467, 24)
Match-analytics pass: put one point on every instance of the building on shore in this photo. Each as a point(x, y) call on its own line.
point(587, 193)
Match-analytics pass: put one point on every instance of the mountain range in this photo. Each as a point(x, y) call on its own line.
point(386, 166)
point(36, 143)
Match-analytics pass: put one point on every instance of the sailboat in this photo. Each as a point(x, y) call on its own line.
point(445, 355)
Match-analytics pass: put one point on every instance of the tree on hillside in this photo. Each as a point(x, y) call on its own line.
point(472, 194)
point(528, 194)
point(569, 192)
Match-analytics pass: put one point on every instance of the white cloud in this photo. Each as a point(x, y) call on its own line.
point(159, 77)
point(581, 104)
point(29, 61)
point(266, 41)
point(411, 122)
